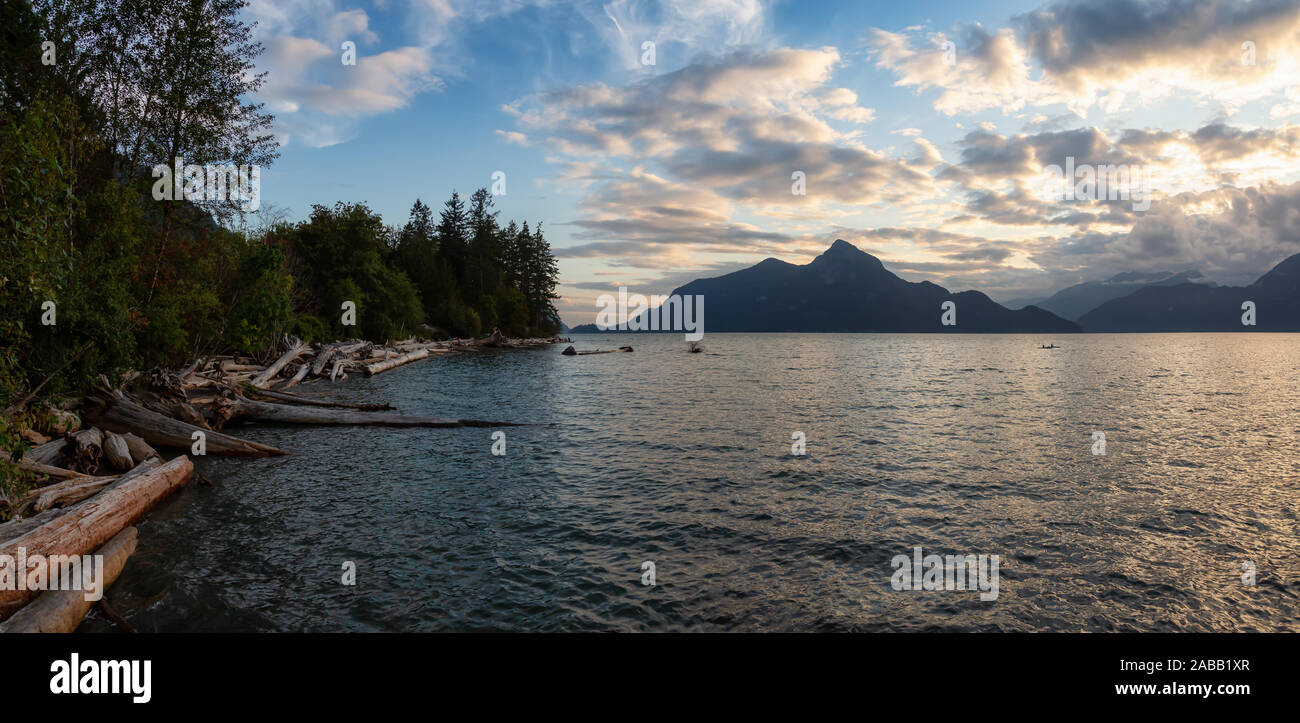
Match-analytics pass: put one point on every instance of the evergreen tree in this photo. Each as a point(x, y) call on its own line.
point(453, 236)
point(543, 275)
point(483, 271)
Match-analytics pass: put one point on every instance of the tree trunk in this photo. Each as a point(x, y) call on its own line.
point(119, 415)
point(89, 524)
point(383, 366)
point(61, 611)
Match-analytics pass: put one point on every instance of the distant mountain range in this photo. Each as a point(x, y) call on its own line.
point(1199, 307)
point(848, 290)
point(1073, 302)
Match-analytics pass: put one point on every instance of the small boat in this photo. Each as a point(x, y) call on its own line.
point(1048, 346)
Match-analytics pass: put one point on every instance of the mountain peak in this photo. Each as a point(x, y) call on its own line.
point(842, 251)
point(1284, 276)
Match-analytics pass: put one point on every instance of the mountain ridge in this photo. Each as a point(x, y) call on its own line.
point(845, 289)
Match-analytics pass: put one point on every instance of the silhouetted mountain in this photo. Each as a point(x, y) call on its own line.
point(1073, 302)
point(1198, 307)
point(847, 290)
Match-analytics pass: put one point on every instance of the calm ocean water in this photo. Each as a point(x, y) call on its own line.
point(961, 444)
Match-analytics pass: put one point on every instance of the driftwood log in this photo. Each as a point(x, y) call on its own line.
point(323, 358)
point(383, 366)
point(49, 470)
point(117, 453)
point(119, 415)
point(139, 449)
point(61, 611)
point(263, 380)
point(570, 351)
point(63, 493)
point(298, 376)
point(86, 445)
point(89, 524)
point(299, 399)
point(48, 453)
point(244, 408)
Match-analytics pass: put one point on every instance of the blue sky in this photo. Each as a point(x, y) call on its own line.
point(928, 155)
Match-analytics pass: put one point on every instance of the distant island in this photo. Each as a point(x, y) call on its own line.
point(847, 290)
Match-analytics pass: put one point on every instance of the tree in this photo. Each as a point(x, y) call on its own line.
point(542, 275)
point(339, 254)
point(453, 235)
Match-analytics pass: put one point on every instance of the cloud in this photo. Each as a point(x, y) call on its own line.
point(740, 124)
point(514, 137)
point(1004, 181)
point(1105, 53)
point(670, 164)
point(679, 28)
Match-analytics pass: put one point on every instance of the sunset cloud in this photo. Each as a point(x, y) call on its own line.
point(1104, 53)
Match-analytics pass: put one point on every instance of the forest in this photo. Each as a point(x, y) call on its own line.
point(98, 277)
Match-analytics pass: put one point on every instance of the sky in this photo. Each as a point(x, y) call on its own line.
point(934, 135)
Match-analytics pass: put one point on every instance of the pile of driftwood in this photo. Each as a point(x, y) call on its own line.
point(79, 514)
point(98, 469)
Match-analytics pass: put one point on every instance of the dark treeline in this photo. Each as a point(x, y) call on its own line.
point(93, 95)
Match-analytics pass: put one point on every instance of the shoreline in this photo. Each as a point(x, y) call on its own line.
point(98, 471)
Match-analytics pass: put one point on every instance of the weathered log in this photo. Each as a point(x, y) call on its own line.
point(337, 371)
point(61, 611)
point(245, 408)
point(20, 526)
point(139, 449)
point(49, 470)
point(383, 366)
point(186, 413)
point(49, 453)
point(89, 524)
point(299, 399)
point(86, 446)
point(322, 359)
point(119, 415)
point(233, 366)
point(63, 493)
point(570, 351)
point(297, 377)
point(117, 452)
point(263, 380)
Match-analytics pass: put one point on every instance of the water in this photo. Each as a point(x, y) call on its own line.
point(960, 444)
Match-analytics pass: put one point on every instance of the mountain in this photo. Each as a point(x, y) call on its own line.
point(1198, 307)
point(847, 290)
point(1075, 301)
